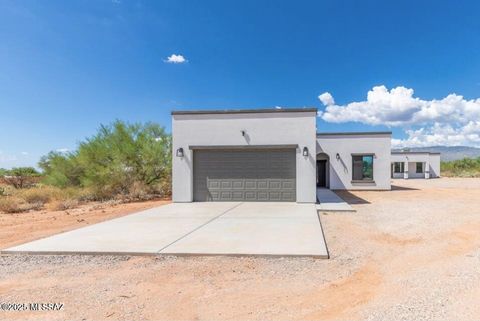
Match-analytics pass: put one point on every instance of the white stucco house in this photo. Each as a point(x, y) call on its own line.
point(409, 164)
point(271, 155)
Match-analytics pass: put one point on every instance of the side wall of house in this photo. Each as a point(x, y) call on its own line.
point(433, 161)
point(346, 145)
point(412, 170)
point(434, 165)
point(276, 128)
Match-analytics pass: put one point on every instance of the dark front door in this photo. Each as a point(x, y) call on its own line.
point(322, 173)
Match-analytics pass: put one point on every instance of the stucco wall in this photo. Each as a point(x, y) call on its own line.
point(412, 170)
point(261, 129)
point(345, 146)
point(434, 165)
point(432, 159)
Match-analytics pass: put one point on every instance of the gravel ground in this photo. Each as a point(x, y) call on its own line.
point(409, 254)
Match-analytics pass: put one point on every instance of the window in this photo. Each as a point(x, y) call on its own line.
point(419, 168)
point(362, 168)
point(398, 167)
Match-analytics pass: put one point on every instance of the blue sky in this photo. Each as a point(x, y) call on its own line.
point(68, 66)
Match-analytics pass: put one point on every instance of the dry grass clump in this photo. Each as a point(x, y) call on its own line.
point(9, 204)
point(59, 199)
point(41, 196)
point(63, 205)
point(12, 204)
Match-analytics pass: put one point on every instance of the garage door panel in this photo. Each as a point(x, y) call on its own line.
point(250, 184)
point(250, 196)
point(238, 195)
point(262, 184)
point(238, 184)
point(254, 175)
point(211, 184)
point(262, 196)
point(275, 184)
point(226, 184)
point(275, 196)
point(213, 195)
point(288, 195)
point(288, 184)
point(225, 195)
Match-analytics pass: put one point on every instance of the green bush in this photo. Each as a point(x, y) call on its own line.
point(61, 169)
point(115, 162)
point(467, 167)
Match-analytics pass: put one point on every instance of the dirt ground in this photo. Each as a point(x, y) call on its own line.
point(23, 227)
point(412, 253)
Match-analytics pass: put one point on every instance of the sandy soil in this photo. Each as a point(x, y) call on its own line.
point(409, 254)
point(23, 227)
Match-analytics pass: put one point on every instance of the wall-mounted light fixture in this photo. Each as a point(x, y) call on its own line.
point(305, 151)
point(180, 152)
point(337, 156)
point(243, 131)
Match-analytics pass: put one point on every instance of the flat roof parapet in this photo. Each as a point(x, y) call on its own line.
point(353, 133)
point(244, 111)
point(415, 152)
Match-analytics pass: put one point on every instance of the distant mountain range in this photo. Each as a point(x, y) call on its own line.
point(449, 153)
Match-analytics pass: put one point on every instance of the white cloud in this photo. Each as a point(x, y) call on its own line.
point(278, 107)
point(441, 134)
point(176, 59)
point(326, 99)
point(62, 150)
point(451, 120)
point(24, 153)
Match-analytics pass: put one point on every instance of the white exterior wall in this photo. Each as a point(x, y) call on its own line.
point(433, 161)
point(340, 171)
point(276, 128)
point(434, 165)
point(412, 170)
point(396, 175)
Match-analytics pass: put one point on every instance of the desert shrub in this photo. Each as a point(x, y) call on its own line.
point(61, 205)
point(121, 159)
point(20, 177)
point(467, 167)
point(61, 169)
point(41, 194)
point(11, 204)
point(7, 190)
point(34, 198)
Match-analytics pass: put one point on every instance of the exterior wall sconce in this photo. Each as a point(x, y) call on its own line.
point(337, 156)
point(180, 152)
point(243, 132)
point(305, 151)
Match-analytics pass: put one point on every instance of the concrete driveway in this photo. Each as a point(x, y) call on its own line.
point(215, 228)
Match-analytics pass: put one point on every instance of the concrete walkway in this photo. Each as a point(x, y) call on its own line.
point(331, 202)
point(215, 228)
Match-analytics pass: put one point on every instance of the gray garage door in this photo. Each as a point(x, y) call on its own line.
point(244, 175)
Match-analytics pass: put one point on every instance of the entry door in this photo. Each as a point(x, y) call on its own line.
point(321, 173)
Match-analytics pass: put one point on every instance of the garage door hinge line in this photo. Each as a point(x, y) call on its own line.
point(199, 227)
